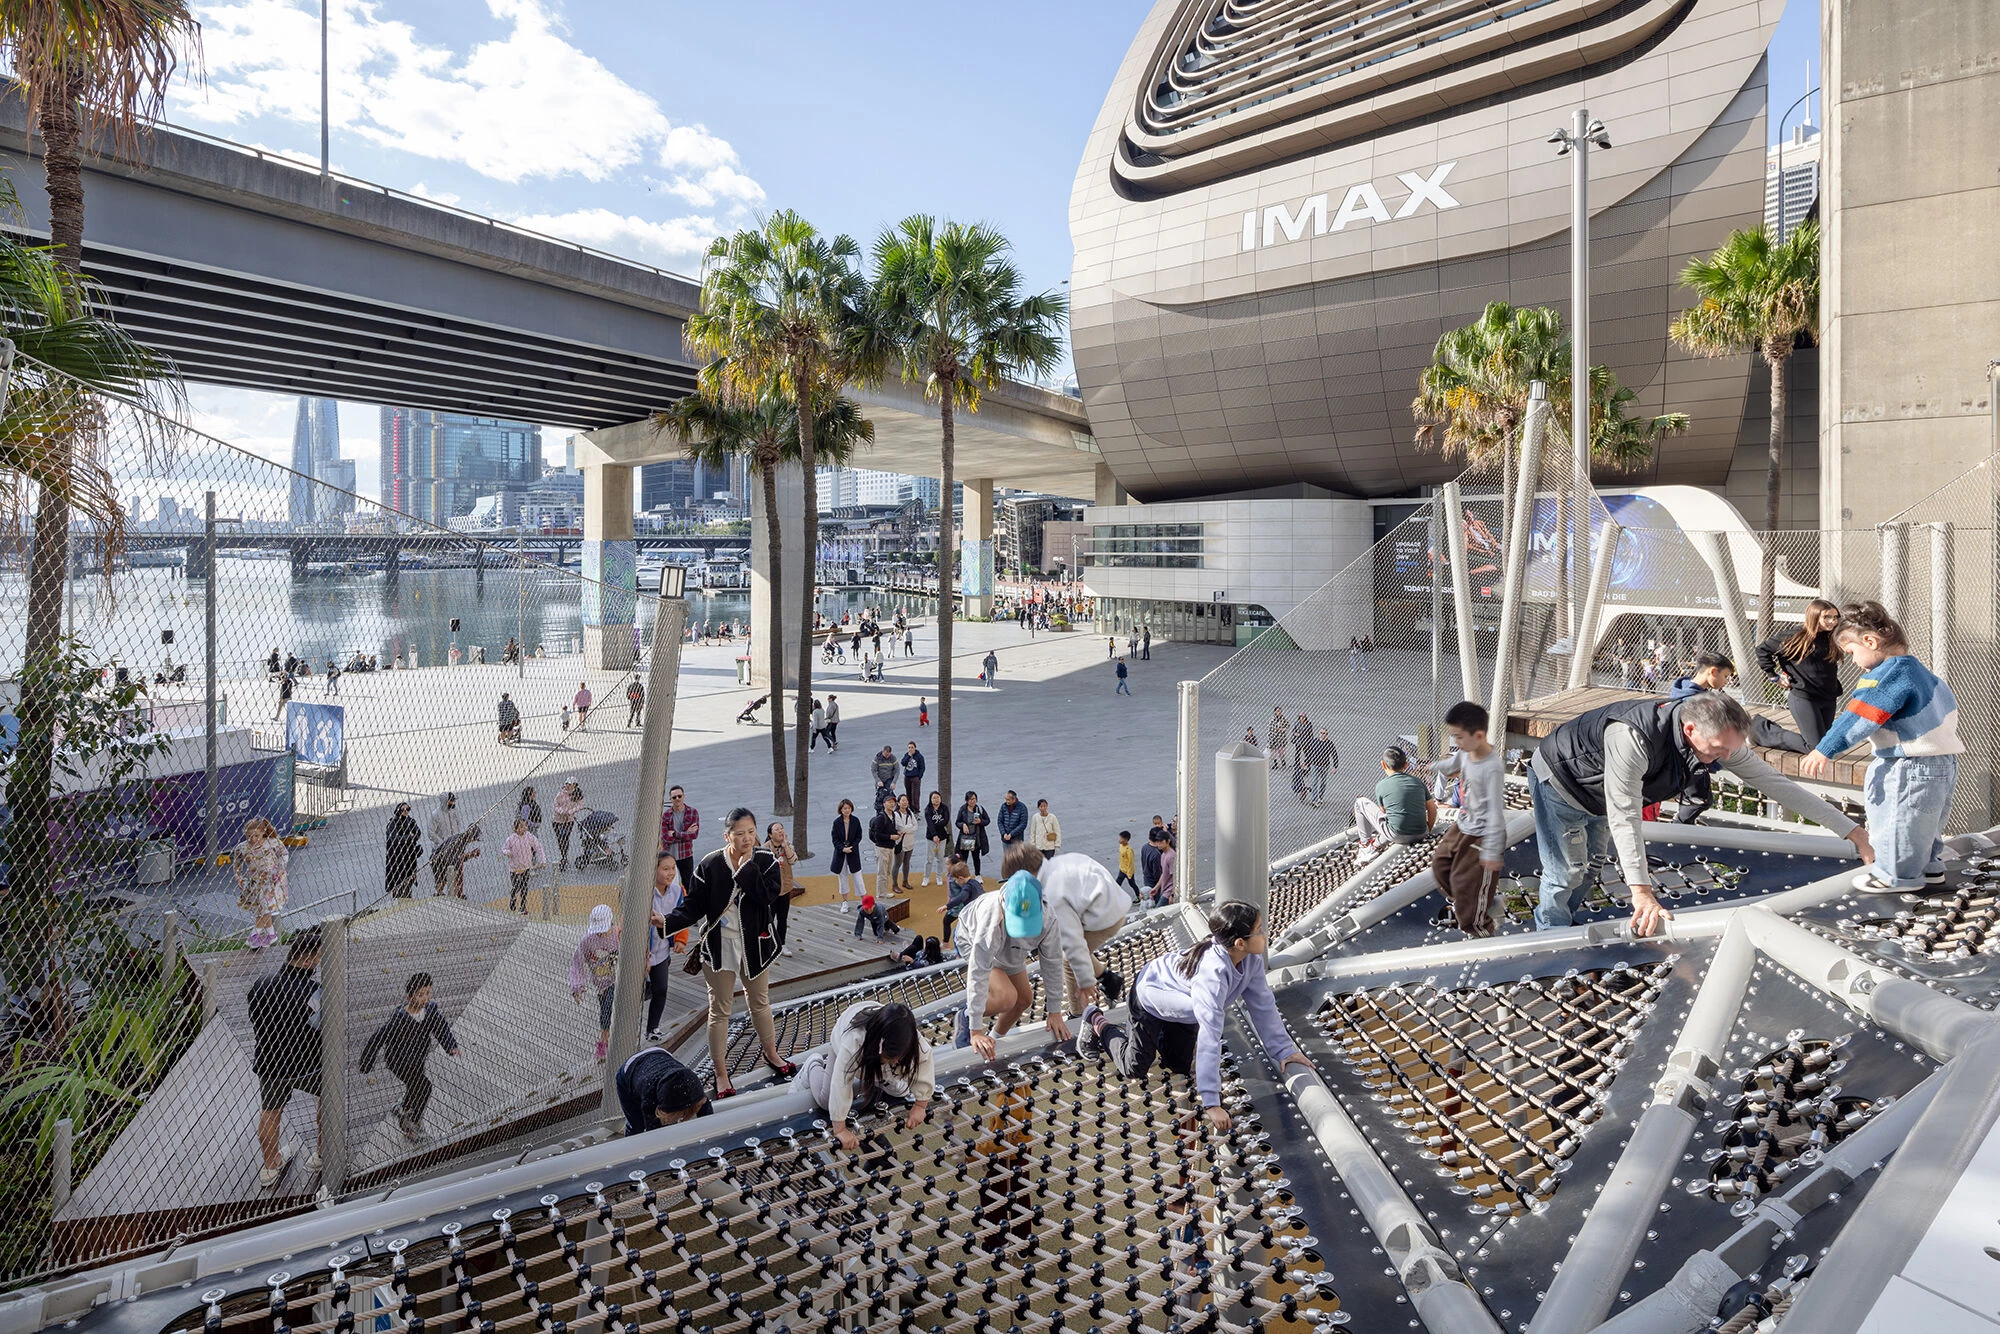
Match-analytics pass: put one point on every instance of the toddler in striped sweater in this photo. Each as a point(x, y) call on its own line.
point(1909, 715)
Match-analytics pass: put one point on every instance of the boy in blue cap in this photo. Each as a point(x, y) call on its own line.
point(996, 936)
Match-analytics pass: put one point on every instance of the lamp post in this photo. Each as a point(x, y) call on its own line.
point(1781, 155)
point(1575, 143)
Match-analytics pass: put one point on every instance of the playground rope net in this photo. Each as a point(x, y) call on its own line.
point(1049, 1195)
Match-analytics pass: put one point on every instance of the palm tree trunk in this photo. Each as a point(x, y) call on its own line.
point(1767, 583)
point(30, 787)
point(809, 561)
point(947, 549)
point(781, 786)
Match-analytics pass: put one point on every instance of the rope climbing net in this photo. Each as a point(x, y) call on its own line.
point(1046, 1196)
point(1496, 1082)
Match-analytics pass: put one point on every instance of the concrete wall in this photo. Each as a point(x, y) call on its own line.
point(1910, 309)
point(1910, 317)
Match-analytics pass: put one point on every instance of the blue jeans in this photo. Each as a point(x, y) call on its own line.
point(1566, 837)
point(1320, 772)
point(1908, 799)
point(1122, 689)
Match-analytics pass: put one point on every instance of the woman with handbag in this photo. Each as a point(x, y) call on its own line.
point(738, 903)
point(970, 824)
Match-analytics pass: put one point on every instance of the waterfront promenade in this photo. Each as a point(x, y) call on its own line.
point(1051, 727)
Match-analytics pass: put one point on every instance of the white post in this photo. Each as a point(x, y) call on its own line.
point(1243, 825)
point(59, 1163)
point(333, 1053)
point(1187, 809)
point(1895, 539)
point(1461, 592)
point(1942, 623)
point(1517, 554)
point(1584, 647)
point(656, 738)
point(170, 948)
point(1714, 550)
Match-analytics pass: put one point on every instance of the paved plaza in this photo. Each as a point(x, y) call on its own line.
point(1051, 727)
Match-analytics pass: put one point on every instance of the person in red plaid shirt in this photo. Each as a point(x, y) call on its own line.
point(680, 826)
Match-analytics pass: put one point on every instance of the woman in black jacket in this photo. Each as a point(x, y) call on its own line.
point(970, 824)
point(405, 850)
point(737, 903)
point(1807, 664)
point(846, 852)
point(937, 833)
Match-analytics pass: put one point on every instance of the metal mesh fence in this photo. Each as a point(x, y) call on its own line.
point(160, 1054)
point(1376, 656)
point(1373, 658)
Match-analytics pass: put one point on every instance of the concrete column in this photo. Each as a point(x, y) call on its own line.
point(975, 550)
point(793, 554)
point(1243, 825)
point(1108, 491)
point(610, 568)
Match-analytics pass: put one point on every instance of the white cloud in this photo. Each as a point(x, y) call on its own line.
point(422, 191)
point(527, 104)
point(676, 243)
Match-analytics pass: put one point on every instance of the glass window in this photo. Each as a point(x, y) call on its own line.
point(1153, 546)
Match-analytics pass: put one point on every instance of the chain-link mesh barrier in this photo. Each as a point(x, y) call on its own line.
point(1358, 667)
point(1374, 658)
point(174, 1063)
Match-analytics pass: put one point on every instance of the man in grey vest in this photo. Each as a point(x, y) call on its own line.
point(1594, 776)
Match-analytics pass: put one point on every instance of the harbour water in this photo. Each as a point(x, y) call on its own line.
point(152, 619)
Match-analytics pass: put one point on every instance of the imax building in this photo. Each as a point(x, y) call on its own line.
point(1283, 205)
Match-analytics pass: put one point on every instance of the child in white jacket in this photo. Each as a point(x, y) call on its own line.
point(1086, 908)
point(874, 1051)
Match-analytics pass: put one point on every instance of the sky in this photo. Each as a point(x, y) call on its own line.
point(648, 127)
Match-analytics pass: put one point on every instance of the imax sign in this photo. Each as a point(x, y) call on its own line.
point(1363, 203)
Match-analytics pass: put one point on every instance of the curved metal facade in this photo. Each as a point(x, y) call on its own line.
point(1284, 204)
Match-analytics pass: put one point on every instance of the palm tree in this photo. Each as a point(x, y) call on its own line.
point(783, 306)
point(84, 65)
point(53, 443)
point(1473, 396)
point(951, 302)
point(765, 430)
point(1757, 294)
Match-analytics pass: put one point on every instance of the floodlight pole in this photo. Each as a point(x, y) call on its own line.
point(1575, 143)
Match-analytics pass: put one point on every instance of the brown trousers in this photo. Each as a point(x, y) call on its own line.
point(1468, 886)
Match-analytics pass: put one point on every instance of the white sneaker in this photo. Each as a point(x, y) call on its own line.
point(269, 1176)
point(843, 907)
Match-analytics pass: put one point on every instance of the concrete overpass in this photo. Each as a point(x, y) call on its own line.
point(254, 271)
point(1022, 436)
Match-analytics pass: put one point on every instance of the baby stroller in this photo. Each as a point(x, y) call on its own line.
point(599, 843)
point(749, 714)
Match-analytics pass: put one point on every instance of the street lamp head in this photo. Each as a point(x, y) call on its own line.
point(1598, 134)
point(1561, 139)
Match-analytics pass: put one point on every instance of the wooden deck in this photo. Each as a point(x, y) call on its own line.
point(1532, 720)
point(189, 1159)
